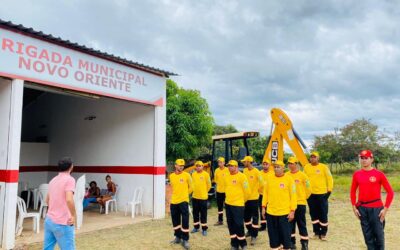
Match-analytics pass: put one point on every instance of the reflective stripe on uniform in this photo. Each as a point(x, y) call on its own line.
point(324, 224)
point(185, 230)
point(177, 227)
point(233, 236)
point(304, 237)
point(314, 221)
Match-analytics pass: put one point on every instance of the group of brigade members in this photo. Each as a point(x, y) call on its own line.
point(281, 198)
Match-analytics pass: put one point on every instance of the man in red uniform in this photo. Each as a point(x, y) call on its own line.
point(369, 208)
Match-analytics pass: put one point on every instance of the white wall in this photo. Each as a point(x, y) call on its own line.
point(34, 154)
point(11, 93)
point(121, 135)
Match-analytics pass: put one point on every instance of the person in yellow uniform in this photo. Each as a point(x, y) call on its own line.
point(266, 170)
point(281, 201)
point(219, 176)
point(181, 184)
point(201, 186)
point(237, 192)
point(303, 191)
point(321, 187)
point(251, 215)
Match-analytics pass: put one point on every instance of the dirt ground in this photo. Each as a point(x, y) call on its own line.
point(344, 233)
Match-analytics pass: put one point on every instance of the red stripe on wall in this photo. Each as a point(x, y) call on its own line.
point(149, 170)
point(9, 176)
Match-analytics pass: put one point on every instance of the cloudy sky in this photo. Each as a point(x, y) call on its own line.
point(326, 63)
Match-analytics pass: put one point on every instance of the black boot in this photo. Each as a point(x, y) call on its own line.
point(293, 240)
point(304, 245)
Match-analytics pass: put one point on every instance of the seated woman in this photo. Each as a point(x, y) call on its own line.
point(111, 190)
point(91, 195)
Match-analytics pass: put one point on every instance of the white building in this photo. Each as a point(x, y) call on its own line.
point(60, 99)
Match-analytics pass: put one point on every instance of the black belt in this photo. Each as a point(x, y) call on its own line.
point(360, 203)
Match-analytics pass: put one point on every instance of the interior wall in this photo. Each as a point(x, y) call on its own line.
point(34, 155)
point(95, 133)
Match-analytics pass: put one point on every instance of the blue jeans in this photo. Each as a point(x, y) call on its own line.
point(63, 235)
point(86, 201)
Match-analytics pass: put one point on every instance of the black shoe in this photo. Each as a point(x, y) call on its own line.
point(234, 248)
point(244, 247)
point(304, 245)
point(219, 223)
point(175, 241)
point(253, 241)
point(185, 244)
point(293, 246)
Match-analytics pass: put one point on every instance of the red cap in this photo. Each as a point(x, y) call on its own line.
point(366, 153)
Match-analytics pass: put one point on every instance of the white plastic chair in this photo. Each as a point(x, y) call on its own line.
point(79, 195)
point(136, 201)
point(42, 193)
point(112, 202)
point(22, 214)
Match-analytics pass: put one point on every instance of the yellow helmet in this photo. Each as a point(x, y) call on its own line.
point(199, 163)
point(279, 163)
point(247, 158)
point(180, 162)
point(292, 159)
point(232, 163)
point(315, 153)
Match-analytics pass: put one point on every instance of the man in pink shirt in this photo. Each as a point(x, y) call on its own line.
point(59, 224)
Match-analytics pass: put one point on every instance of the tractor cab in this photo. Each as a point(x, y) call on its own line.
point(232, 146)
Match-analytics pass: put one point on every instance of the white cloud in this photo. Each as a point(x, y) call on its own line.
point(326, 64)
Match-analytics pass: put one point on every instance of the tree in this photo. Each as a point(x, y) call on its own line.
point(344, 144)
point(220, 130)
point(189, 122)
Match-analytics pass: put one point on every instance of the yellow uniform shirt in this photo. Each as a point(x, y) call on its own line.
point(279, 195)
point(181, 187)
point(303, 187)
point(237, 189)
point(219, 178)
point(264, 178)
point(320, 178)
point(255, 182)
point(201, 185)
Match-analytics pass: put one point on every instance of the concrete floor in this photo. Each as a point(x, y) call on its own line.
point(92, 221)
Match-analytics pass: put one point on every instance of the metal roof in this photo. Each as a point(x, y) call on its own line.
point(234, 136)
point(82, 48)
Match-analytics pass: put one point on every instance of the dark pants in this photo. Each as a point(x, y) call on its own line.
point(318, 204)
point(372, 228)
point(234, 217)
point(220, 204)
point(300, 220)
point(263, 222)
point(251, 217)
point(180, 220)
point(279, 231)
point(199, 213)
